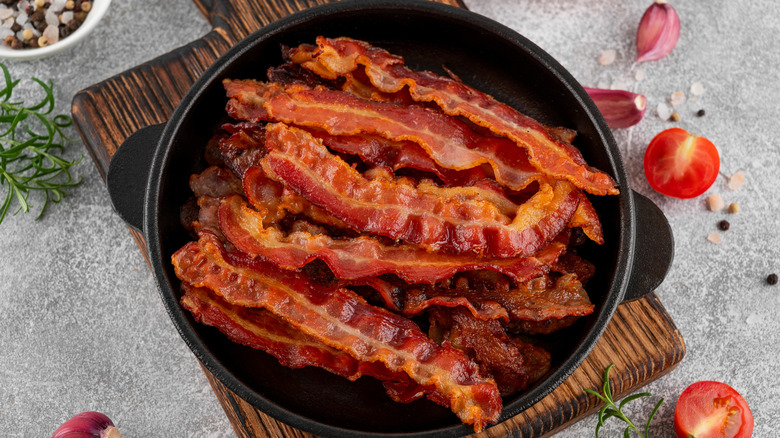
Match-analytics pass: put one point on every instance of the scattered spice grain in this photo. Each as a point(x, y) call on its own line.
point(715, 238)
point(701, 113)
point(675, 117)
point(734, 208)
point(771, 279)
point(715, 202)
point(724, 225)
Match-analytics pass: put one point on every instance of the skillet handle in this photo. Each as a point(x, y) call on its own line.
point(654, 249)
point(128, 173)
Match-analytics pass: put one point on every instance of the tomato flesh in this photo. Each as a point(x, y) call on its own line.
point(710, 409)
point(680, 164)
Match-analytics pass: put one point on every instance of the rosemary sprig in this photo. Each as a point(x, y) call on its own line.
point(610, 409)
point(30, 138)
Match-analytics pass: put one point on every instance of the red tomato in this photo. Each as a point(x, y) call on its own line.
point(680, 164)
point(712, 410)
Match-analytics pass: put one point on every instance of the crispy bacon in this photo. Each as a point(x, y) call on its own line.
point(243, 148)
point(495, 351)
point(379, 151)
point(342, 56)
point(340, 319)
point(362, 257)
point(585, 217)
point(262, 330)
point(449, 141)
point(537, 300)
point(433, 219)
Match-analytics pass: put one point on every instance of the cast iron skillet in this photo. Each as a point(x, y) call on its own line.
point(148, 182)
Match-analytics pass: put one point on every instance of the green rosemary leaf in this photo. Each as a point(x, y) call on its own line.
point(30, 140)
point(631, 398)
point(650, 418)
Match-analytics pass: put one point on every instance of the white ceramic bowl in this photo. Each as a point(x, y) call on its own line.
point(99, 8)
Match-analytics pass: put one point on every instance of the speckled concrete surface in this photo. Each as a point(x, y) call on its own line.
point(82, 327)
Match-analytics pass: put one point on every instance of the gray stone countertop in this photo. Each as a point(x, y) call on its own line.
point(82, 326)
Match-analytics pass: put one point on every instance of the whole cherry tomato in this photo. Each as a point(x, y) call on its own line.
point(709, 409)
point(680, 164)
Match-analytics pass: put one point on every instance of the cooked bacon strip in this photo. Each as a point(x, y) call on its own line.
point(537, 300)
point(449, 141)
point(379, 151)
point(494, 350)
point(342, 56)
point(278, 201)
point(585, 217)
point(262, 330)
point(340, 319)
point(400, 211)
point(361, 257)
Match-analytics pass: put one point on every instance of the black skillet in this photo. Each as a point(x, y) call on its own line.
point(148, 184)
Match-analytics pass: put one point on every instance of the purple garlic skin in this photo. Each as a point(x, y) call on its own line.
point(658, 32)
point(620, 108)
point(87, 425)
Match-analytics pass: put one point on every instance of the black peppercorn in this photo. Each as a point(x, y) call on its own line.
point(37, 16)
point(771, 279)
point(16, 27)
point(701, 113)
point(724, 225)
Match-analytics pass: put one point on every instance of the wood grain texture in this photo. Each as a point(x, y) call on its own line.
point(641, 340)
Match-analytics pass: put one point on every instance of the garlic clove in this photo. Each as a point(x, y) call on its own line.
point(620, 108)
point(658, 32)
point(87, 425)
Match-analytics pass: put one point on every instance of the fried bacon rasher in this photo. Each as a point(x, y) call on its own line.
point(372, 220)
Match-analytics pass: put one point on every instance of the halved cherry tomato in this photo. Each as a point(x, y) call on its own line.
point(680, 164)
point(709, 409)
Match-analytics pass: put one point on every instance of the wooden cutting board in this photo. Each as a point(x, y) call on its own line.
point(641, 339)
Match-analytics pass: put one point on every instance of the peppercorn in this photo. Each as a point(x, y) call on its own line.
point(39, 3)
point(30, 9)
point(16, 27)
point(724, 225)
point(80, 16)
point(771, 279)
point(8, 40)
point(27, 34)
point(33, 43)
point(65, 31)
point(70, 4)
point(17, 44)
point(43, 41)
point(701, 113)
point(675, 117)
point(37, 16)
point(734, 208)
point(86, 6)
point(41, 26)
